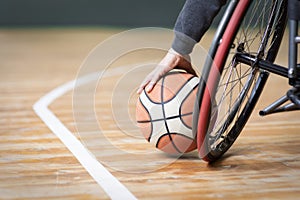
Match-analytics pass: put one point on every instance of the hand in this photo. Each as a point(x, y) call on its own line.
point(171, 60)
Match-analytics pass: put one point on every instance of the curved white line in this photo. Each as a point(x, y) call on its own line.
point(110, 184)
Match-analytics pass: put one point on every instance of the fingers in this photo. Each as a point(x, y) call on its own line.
point(188, 69)
point(170, 61)
point(186, 65)
point(149, 82)
point(150, 86)
point(146, 82)
point(143, 85)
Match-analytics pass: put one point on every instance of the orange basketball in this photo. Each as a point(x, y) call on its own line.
point(164, 115)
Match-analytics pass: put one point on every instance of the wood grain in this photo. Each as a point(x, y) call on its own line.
point(264, 163)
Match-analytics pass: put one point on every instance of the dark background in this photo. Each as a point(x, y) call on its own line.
point(122, 13)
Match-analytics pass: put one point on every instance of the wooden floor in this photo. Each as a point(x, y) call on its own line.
point(264, 163)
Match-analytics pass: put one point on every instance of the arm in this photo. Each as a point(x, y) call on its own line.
point(193, 21)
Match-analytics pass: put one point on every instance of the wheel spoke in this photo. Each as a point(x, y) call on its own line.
point(238, 82)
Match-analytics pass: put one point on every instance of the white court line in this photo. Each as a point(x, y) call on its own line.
point(110, 184)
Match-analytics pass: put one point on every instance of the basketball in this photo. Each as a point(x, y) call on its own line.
point(164, 115)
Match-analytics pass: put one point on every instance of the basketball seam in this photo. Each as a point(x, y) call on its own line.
point(169, 134)
point(186, 82)
point(180, 115)
point(151, 132)
point(164, 114)
point(183, 135)
point(170, 73)
point(163, 105)
point(157, 103)
point(168, 118)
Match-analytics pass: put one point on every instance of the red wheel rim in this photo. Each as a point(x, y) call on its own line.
point(214, 75)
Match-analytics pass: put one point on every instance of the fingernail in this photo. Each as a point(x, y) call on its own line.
point(148, 88)
point(139, 91)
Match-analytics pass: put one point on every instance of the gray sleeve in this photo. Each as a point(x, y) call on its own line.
point(193, 21)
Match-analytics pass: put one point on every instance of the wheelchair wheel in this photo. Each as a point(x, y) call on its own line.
point(230, 91)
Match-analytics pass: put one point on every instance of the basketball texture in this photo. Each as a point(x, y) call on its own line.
point(164, 115)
